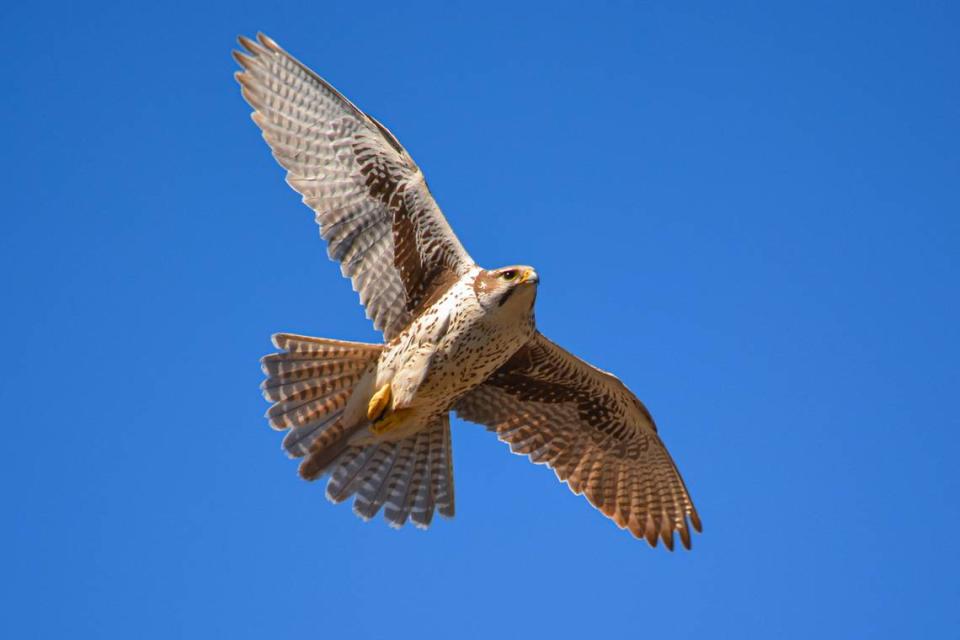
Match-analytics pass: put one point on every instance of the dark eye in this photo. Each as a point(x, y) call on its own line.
point(509, 275)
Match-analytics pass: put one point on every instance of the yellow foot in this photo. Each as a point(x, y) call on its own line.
point(379, 403)
point(388, 422)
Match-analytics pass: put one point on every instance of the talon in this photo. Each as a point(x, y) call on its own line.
point(379, 403)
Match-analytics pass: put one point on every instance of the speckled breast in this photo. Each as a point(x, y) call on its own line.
point(467, 343)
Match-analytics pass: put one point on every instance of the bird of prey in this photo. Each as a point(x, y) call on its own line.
point(375, 418)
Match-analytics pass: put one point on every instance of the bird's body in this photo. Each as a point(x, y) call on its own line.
point(375, 417)
point(452, 347)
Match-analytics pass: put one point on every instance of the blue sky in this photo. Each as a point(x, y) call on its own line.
point(750, 213)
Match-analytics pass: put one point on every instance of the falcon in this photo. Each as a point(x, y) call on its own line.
point(375, 418)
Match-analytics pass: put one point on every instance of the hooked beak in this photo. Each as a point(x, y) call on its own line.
point(529, 275)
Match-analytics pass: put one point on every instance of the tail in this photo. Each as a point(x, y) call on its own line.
point(310, 383)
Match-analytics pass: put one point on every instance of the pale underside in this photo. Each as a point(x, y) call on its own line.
point(384, 228)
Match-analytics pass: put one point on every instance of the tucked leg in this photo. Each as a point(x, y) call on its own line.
point(380, 414)
point(379, 403)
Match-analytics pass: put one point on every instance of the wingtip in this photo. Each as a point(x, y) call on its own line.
point(667, 536)
point(267, 41)
point(651, 536)
point(249, 44)
point(695, 521)
point(685, 540)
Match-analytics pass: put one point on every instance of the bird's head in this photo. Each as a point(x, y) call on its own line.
point(510, 288)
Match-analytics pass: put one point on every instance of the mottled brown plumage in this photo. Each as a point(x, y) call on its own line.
point(375, 418)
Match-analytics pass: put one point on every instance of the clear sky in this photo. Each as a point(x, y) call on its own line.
point(750, 214)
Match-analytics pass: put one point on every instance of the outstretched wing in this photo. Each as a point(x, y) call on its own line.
point(592, 431)
point(371, 201)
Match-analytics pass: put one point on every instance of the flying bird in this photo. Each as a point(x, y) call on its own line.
point(375, 418)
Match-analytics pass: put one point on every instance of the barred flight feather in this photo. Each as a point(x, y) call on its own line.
point(598, 438)
point(369, 197)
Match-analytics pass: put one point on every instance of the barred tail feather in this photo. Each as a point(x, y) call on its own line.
point(309, 383)
point(441, 470)
point(407, 478)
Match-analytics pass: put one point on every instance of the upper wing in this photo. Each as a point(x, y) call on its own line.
point(372, 203)
point(592, 431)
